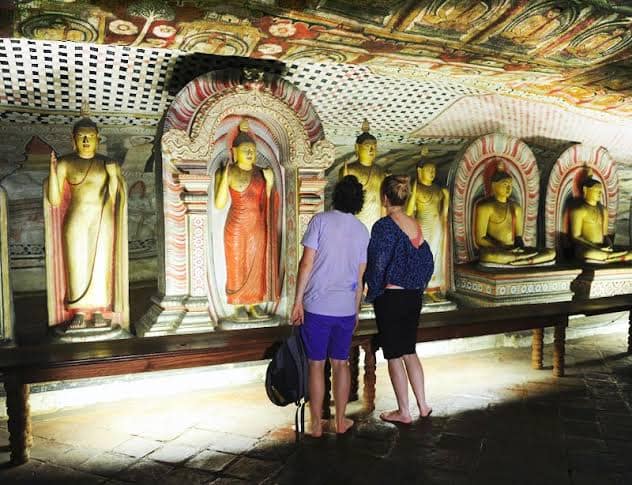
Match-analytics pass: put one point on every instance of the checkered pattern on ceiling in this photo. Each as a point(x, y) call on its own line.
point(46, 82)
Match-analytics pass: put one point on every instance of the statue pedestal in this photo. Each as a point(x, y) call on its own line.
point(175, 315)
point(596, 282)
point(489, 288)
point(270, 321)
point(61, 334)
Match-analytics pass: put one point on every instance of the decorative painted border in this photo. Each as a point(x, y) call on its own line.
point(472, 173)
point(562, 186)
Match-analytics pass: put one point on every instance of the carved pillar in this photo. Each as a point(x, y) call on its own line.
point(327, 397)
point(559, 349)
point(19, 413)
point(354, 368)
point(536, 348)
point(369, 376)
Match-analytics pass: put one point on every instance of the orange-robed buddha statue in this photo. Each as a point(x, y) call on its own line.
point(85, 208)
point(250, 234)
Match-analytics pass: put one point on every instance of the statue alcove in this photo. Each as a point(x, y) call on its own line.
point(196, 140)
point(564, 191)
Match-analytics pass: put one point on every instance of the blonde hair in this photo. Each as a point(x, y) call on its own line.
point(396, 188)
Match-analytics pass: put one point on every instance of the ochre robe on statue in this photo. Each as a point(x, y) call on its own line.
point(251, 244)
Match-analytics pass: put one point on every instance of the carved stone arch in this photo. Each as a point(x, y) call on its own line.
point(564, 186)
point(470, 182)
point(196, 139)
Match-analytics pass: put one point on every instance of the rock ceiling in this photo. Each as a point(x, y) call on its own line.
point(423, 69)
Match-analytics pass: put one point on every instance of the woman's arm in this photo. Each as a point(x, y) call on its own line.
point(379, 255)
point(304, 271)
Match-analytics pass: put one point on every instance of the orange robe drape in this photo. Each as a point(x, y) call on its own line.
point(250, 244)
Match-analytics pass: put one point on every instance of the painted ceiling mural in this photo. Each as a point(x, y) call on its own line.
point(574, 52)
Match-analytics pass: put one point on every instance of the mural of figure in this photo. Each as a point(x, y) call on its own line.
point(457, 14)
point(498, 226)
point(369, 175)
point(86, 236)
point(589, 228)
point(429, 205)
point(596, 45)
point(251, 242)
point(535, 27)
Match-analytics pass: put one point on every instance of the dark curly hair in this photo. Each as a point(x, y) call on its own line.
point(348, 195)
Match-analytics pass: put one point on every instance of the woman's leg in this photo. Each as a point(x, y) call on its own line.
point(342, 383)
point(316, 395)
point(416, 377)
point(400, 385)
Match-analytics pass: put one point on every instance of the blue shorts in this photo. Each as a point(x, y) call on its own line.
point(326, 336)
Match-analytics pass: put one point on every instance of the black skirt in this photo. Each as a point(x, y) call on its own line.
point(397, 316)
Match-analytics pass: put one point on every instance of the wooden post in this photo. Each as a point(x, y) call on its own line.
point(19, 423)
point(354, 368)
point(536, 348)
point(327, 398)
point(369, 376)
point(559, 349)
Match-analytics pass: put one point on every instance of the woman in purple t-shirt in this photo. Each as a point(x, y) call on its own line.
point(328, 292)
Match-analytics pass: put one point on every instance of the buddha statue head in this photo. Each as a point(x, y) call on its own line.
point(244, 148)
point(426, 170)
point(85, 135)
point(501, 183)
point(366, 146)
point(591, 191)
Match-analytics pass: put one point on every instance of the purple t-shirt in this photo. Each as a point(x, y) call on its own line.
point(340, 241)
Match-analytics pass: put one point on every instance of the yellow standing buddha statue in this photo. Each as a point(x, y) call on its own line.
point(589, 228)
point(369, 175)
point(429, 204)
point(86, 236)
point(498, 228)
point(250, 238)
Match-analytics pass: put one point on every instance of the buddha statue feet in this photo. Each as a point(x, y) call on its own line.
point(511, 258)
point(435, 296)
point(248, 313)
point(78, 321)
point(604, 256)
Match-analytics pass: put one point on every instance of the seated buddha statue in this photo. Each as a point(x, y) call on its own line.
point(589, 226)
point(499, 228)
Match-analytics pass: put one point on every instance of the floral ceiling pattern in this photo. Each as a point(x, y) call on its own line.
point(575, 52)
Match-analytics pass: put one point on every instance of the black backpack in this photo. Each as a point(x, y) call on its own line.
point(287, 378)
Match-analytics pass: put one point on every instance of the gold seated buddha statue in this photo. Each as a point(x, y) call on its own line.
point(499, 229)
point(589, 228)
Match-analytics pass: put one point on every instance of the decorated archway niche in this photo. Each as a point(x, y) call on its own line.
point(471, 183)
point(200, 128)
point(564, 188)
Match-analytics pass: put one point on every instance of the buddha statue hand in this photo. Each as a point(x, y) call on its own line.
point(268, 175)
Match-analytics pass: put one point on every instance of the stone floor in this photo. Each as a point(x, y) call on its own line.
point(495, 421)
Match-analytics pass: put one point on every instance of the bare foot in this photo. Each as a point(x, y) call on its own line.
point(345, 426)
point(396, 417)
point(317, 429)
point(425, 411)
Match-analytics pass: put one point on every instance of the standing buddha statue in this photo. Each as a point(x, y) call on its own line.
point(85, 202)
point(499, 228)
point(250, 234)
point(429, 204)
point(589, 228)
point(369, 175)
